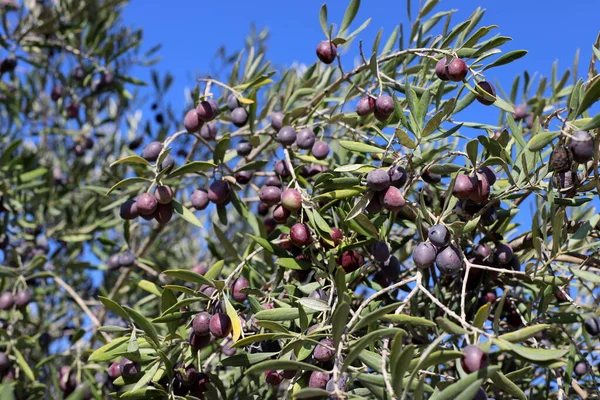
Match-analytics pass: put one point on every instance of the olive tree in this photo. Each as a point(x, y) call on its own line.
point(334, 231)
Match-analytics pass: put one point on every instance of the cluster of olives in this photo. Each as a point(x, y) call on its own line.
point(20, 300)
point(447, 258)
point(382, 107)
point(305, 139)
point(199, 118)
point(385, 186)
point(476, 187)
point(455, 70)
point(579, 149)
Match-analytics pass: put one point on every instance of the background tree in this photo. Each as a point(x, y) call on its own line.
point(336, 231)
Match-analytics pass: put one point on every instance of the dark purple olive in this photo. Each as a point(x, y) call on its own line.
point(281, 169)
point(201, 323)
point(220, 325)
point(581, 145)
point(287, 136)
point(270, 195)
point(277, 120)
point(243, 177)
point(489, 90)
point(326, 51)
point(440, 69)
point(365, 106)
point(398, 176)
point(381, 251)
point(300, 234)
point(449, 261)
point(305, 139)
point(128, 210)
point(424, 255)
point(209, 131)
point(192, 122)
point(457, 70)
point(199, 199)
point(243, 148)
point(236, 289)
point(324, 351)
point(474, 359)
point(7, 300)
point(378, 180)
point(151, 152)
point(129, 368)
point(198, 342)
point(320, 150)
point(439, 235)
point(219, 192)
point(146, 204)
point(239, 117)
point(164, 213)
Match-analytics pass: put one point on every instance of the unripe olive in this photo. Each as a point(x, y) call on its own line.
point(23, 298)
point(291, 199)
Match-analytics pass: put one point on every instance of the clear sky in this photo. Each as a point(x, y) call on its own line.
point(191, 31)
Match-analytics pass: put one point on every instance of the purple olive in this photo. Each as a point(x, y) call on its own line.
point(424, 255)
point(239, 117)
point(199, 199)
point(300, 234)
point(236, 289)
point(219, 192)
point(270, 195)
point(449, 261)
point(324, 351)
point(582, 146)
point(220, 325)
point(201, 323)
point(326, 51)
point(381, 251)
point(129, 368)
point(164, 213)
point(192, 122)
point(163, 194)
point(439, 235)
point(277, 120)
point(486, 87)
point(398, 176)
point(305, 139)
point(457, 70)
point(243, 148)
point(128, 210)
point(232, 102)
point(146, 204)
point(287, 136)
point(378, 180)
point(440, 69)
point(503, 253)
point(365, 106)
point(318, 380)
point(151, 152)
point(392, 199)
point(320, 150)
point(384, 106)
point(209, 131)
point(474, 359)
point(291, 199)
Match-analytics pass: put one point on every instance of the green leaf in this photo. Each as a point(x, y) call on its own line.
point(246, 359)
point(150, 287)
point(507, 386)
point(186, 214)
point(482, 315)
point(23, 364)
point(131, 160)
point(314, 304)
point(360, 147)
point(143, 324)
point(373, 316)
point(339, 321)
point(7, 392)
point(469, 385)
point(143, 394)
point(31, 175)
point(404, 319)
point(591, 95)
point(349, 15)
point(592, 124)
point(282, 365)
point(229, 249)
point(110, 350)
point(192, 167)
point(114, 307)
point(433, 123)
point(278, 314)
point(215, 270)
point(399, 365)
point(449, 326)
point(405, 140)
point(127, 182)
point(357, 347)
point(435, 358)
point(311, 393)
point(534, 355)
point(506, 58)
point(188, 276)
point(180, 304)
point(445, 169)
point(147, 377)
point(585, 276)
point(523, 334)
point(220, 149)
point(323, 19)
point(539, 141)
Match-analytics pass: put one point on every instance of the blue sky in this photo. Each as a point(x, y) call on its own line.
point(191, 31)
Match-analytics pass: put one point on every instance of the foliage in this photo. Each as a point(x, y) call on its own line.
point(328, 289)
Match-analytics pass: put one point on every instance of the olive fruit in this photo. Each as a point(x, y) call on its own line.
point(474, 359)
point(449, 261)
point(439, 235)
point(424, 255)
point(201, 323)
point(199, 199)
point(220, 325)
point(326, 51)
point(378, 180)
